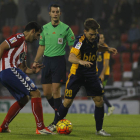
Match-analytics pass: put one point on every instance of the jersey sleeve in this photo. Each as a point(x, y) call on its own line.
point(15, 40)
point(76, 47)
point(70, 37)
point(42, 39)
point(106, 55)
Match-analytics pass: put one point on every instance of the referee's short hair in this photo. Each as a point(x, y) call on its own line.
point(33, 25)
point(54, 5)
point(91, 23)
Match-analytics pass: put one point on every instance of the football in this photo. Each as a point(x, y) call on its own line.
point(64, 126)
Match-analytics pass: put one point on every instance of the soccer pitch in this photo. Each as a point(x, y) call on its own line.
point(121, 127)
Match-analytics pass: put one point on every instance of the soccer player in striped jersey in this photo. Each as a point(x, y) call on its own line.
point(13, 70)
point(52, 43)
point(104, 70)
point(83, 57)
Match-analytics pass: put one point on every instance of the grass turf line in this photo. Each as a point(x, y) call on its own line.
point(121, 127)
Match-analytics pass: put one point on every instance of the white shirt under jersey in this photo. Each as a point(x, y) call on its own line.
point(16, 53)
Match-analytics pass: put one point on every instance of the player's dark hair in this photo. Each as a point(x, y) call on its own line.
point(54, 5)
point(91, 23)
point(33, 25)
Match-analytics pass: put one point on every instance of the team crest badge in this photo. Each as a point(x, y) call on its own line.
point(60, 40)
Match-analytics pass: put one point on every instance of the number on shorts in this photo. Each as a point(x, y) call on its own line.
point(68, 93)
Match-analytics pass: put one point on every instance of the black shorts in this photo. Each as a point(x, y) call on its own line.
point(92, 84)
point(54, 70)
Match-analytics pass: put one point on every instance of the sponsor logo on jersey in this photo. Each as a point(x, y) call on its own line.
point(13, 40)
point(32, 85)
point(60, 40)
point(78, 45)
point(53, 33)
point(89, 57)
point(27, 78)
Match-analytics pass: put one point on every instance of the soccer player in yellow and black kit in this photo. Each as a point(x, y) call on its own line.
point(103, 59)
point(83, 57)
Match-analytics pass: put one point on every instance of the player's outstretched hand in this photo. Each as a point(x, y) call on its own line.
point(37, 68)
point(85, 63)
point(113, 50)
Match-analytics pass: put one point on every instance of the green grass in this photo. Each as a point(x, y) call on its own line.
point(121, 127)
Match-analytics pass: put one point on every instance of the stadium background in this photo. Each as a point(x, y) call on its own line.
point(120, 23)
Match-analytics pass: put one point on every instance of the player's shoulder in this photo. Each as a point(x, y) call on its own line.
point(105, 45)
point(18, 35)
point(79, 41)
point(80, 38)
point(16, 39)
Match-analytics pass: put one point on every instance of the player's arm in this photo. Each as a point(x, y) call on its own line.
point(33, 70)
point(3, 46)
point(103, 49)
point(104, 69)
point(73, 59)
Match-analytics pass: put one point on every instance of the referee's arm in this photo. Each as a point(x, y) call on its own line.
point(40, 53)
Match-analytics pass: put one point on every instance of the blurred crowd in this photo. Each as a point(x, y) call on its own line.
point(120, 23)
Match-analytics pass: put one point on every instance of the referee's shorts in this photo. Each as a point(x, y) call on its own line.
point(54, 70)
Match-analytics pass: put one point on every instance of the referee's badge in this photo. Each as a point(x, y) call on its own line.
point(60, 40)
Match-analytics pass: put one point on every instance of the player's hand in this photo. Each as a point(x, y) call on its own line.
point(85, 63)
point(113, 50)
point(37, 68)
point(101, 77)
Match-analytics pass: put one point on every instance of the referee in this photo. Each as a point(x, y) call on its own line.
point(52, 45)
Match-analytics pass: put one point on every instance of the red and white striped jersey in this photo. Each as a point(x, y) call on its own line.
point(16, 53)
